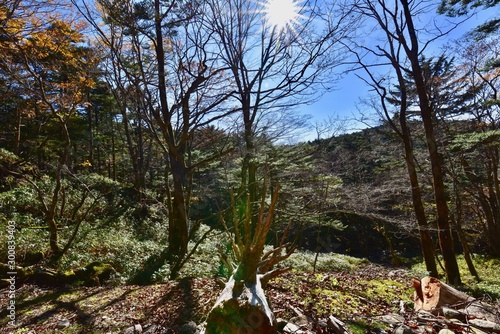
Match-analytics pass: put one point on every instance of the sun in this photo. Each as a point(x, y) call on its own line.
point(282, 15)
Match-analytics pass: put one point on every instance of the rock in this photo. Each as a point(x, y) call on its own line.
point(482, 310)
point(403, 329)
point(378, 331)
point(291, 328)
point(477, 331)
point(424, 316)
point(136, 329)
point(391, 319)
point(241, 306)
point(95, 273)
point(300, 321)
point(281, 323)
point(188, 328)
point(337, 326)
point(451, 313)
point(64, 323)
point(446, 331)
point(322, 324)
point(155, 329)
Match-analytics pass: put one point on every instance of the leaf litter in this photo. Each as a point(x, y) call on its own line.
point(352, 296)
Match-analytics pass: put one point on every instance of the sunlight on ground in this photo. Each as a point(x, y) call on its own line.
point(487, 267)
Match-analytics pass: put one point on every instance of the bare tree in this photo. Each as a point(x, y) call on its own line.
point(401, 49)
point(274, 66)
point(476, 151)
point(397, 120)
point(165, 55)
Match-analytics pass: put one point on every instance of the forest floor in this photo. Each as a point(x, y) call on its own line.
point(356, 297)
point(359, 297)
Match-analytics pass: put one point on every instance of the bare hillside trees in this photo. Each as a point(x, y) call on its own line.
point(400, 47)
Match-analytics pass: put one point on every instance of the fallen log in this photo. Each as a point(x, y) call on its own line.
point(485, 325)
point(431, 293)
point(482, 310)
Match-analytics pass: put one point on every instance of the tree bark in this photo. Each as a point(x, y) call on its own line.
point(178, 220)
point(442, 214)
point(462, 237)
point(50, 213)
point(425, 236)
point(130, 147)
point(17, 141)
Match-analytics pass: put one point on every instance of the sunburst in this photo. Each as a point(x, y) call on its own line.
point(282, 16)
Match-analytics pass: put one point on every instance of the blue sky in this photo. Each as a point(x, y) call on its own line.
point(343, 101)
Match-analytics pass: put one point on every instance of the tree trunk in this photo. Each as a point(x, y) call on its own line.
point(141, 175)
point(50, 215)
point(444, 230)
point(425, 237)
point(442, 214)
point(51, 212)
point(131, 149)
point(489, 224)
point(493, 238)
point(242, 307)
point(249, 168)
point(178, 220)
point(462, 237)
point(113, 152)
point(17, 141)
point(91, 136)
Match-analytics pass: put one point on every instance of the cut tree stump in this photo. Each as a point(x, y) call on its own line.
point(441, 308)
point(431, 293)
point(241, 308)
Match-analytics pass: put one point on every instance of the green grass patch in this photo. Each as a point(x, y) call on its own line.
point(489, 276)
point(304, 261)
point(383, 288)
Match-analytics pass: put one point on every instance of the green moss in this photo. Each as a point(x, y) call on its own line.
point(489, 275)
point(358, 327)
point(362, 326)
point(95, 273)
point(304, 260)
point(333, 302)
point(21, 330)
point(383, 288)
point(68, 273)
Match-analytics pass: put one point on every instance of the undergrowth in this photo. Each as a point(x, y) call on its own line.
point(487, 286)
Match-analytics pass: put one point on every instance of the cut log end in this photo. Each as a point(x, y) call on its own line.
point(431, 293)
